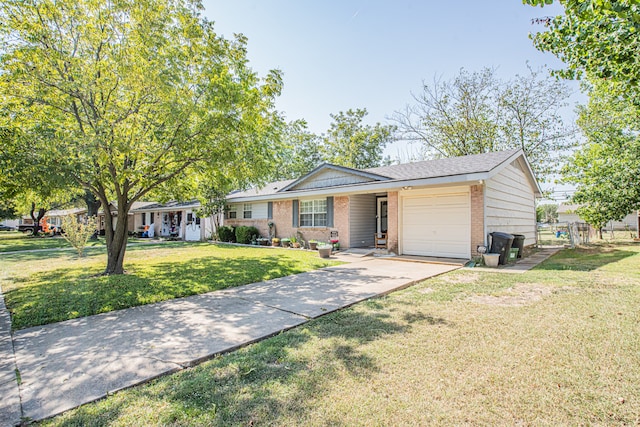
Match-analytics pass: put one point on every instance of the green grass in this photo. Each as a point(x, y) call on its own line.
point(15, 241)
point(42, 288)
point(558, 345)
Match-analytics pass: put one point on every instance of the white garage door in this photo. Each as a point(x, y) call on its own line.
point(438, 225)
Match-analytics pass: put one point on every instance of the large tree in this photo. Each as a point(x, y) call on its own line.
point(349, 142)
point(607, 168)
point(600, 40)
point(476, 112)
point(596, 38)
point(142, 96)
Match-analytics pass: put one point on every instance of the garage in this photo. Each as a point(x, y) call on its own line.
point(437, 224)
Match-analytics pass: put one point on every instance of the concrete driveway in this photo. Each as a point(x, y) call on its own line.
point(70, 363)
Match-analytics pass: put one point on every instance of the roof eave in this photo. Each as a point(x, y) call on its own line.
point(367, 187)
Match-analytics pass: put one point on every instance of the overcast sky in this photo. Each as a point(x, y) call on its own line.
point(337, 55)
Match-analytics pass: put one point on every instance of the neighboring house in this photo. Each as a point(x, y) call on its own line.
point(113, 208)
point(441, 208)
point(567, 214)
point(173, 219)
point(54, 216)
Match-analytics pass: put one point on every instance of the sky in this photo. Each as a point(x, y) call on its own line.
point(337, 55)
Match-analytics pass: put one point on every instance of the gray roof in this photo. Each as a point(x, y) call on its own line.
point(271, 188)
point(150, 206)
point(450, 166)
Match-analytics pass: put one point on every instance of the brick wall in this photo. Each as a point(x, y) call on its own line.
point(477, 218)
point(283, 221)
point(393, 220)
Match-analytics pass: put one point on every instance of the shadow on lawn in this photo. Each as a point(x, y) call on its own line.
point(63, 294)
point(585, 258)
point(264, 383)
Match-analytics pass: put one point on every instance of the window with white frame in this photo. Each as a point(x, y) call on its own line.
point(313, 213)
point(232, 212)
point(246, 210)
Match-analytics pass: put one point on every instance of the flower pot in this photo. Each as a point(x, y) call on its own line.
point(286, 244)
point(491, 260)
point(313, 245)
point(324, 252)
point(274, 243)
point(296, 245)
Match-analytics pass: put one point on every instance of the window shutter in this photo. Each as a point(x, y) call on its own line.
point(295, 213)
point(329, 211)
point(270, 210)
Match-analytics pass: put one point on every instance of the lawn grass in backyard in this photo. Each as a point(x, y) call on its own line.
point(41, 288)
point(558, 345)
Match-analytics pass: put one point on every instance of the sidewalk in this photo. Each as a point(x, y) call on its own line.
point(70, 363)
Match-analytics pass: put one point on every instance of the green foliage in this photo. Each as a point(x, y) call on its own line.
point(599, 39)
point(129, 99)
point(301, 153)
point(607, 168)
point(244, 234)
point(350, 143)
point(547, 213)
point(476, 112)
point(226, 233)
point(78, 233)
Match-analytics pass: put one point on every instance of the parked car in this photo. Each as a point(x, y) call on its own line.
point(6, 228)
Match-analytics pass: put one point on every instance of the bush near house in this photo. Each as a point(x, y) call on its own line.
point(244, 234)
point(226, 234)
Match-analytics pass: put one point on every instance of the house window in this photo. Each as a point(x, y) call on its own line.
point(313, 213)
point(246, 211)
point(232, 213)
point(144, 218)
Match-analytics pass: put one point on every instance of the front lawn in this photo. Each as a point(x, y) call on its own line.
point(558, 345)
point(42, 288)
point(15, 241)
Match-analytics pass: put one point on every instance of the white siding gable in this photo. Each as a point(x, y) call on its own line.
point(258, 210)
point(510, 203)
point(330, 178)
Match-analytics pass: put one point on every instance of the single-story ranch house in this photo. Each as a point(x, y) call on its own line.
point(440, 208)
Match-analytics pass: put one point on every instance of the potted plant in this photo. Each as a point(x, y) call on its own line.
point(262, 241)
point(313, 245)
point(336, 244)
point(285, 242)
point(294, 242)
point(275, 241)
point(324, 250)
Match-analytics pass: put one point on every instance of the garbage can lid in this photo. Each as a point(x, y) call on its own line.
point(502, 235)
point(519, 236)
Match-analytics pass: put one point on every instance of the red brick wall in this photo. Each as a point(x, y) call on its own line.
point(283, 221)
point(392, 225)
point(477, 218)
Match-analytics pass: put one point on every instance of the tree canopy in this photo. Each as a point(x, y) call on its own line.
point(596, 38)
point(348, 142)
point(607, 168)
point(134, 98)
point(476, 112)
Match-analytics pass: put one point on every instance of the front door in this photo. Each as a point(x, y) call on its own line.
point(382, 216)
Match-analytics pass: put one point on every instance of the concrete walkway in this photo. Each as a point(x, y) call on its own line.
point(66, 364)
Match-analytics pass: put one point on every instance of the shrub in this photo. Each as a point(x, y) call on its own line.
point(78, 233)
point(244, 234)
point(226, 234)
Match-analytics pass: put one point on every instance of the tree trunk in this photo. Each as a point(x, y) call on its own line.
point(93, 204)
point(116, 239)
point(36, 218)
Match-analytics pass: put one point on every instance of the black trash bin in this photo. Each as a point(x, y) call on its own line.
point(501, 244)
point(518, 242)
